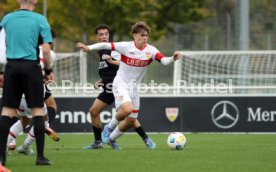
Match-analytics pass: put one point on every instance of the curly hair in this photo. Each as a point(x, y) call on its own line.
point(140, 26)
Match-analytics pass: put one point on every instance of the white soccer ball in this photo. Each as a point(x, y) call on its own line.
point(176, 141)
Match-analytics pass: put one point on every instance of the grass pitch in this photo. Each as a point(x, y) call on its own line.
point(204, 152)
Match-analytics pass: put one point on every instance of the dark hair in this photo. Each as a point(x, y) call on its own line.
point(139, 26)
point(101, 26)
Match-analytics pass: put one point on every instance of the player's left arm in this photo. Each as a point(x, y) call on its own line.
point(167, 60)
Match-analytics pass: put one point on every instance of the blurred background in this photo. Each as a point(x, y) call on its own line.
point(176, 24)
point(186, 25)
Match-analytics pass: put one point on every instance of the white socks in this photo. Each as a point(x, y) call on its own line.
point(116, 134)
point(113, 123)
point(15, 130)
point(30, 139)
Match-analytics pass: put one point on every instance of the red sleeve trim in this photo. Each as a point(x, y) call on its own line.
point(13, 135)
point(159, 56)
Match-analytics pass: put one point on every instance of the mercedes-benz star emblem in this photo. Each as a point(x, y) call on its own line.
point(225, 114)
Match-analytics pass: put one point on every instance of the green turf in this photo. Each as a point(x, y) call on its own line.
point(204, 153)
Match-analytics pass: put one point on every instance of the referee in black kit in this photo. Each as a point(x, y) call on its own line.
point(23, 73)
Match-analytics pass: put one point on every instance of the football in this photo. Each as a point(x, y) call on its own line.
point(176, 141)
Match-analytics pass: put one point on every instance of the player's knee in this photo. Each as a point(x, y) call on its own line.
point(131, 121)
point(127, 110)
point(94, 112)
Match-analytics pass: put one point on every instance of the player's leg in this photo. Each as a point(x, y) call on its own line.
point(124, 107)
point(11, 96)
point(8, 118)
point(51, 108)
point(137, 126)
point(34, 98)
point(147, 140)
point(124, 110)
point(25, 148)
point(123, 126)
point(48, 130)
point(16, 129)
point(39, 132)
point(95, 111)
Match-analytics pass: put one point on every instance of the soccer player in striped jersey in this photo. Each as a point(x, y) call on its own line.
point(135, 57)
point(109, 64)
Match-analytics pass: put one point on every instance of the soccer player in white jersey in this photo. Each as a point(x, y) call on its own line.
point(135, 58)
point(109, 64)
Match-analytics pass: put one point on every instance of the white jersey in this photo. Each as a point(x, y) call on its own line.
point(3, 59)
point(134, 61)
point(133, 66)
point(24, 110)
point(53, 57)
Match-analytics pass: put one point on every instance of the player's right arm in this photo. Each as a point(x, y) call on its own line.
point(93, 47)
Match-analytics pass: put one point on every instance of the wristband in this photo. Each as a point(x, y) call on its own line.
point(47, 71)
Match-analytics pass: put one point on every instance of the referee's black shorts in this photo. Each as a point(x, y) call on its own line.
point(107, 95)
point(22, 77)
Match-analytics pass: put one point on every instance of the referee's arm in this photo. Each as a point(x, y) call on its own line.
point(46, 50)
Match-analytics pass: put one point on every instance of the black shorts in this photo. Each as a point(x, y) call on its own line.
point(107, 94)
point(22, 77)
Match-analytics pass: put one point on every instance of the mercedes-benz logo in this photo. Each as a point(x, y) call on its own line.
point(225, 114)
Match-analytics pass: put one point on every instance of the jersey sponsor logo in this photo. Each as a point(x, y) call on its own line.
point(103, 64)
point(135, 62)
point(172, 113)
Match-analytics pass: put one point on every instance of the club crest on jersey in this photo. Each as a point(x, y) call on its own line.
point(172, 113)
point(148, 55)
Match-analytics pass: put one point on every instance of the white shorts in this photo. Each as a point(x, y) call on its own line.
point(23, 109)
point(123, 94)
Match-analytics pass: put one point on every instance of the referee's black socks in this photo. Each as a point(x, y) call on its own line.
point(39, 131)
point(5, 125)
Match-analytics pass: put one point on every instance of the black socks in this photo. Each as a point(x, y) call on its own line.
point(141, 132)
point(51, 114)
point(97, 133)
point(5, 125)
point(39, 131)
